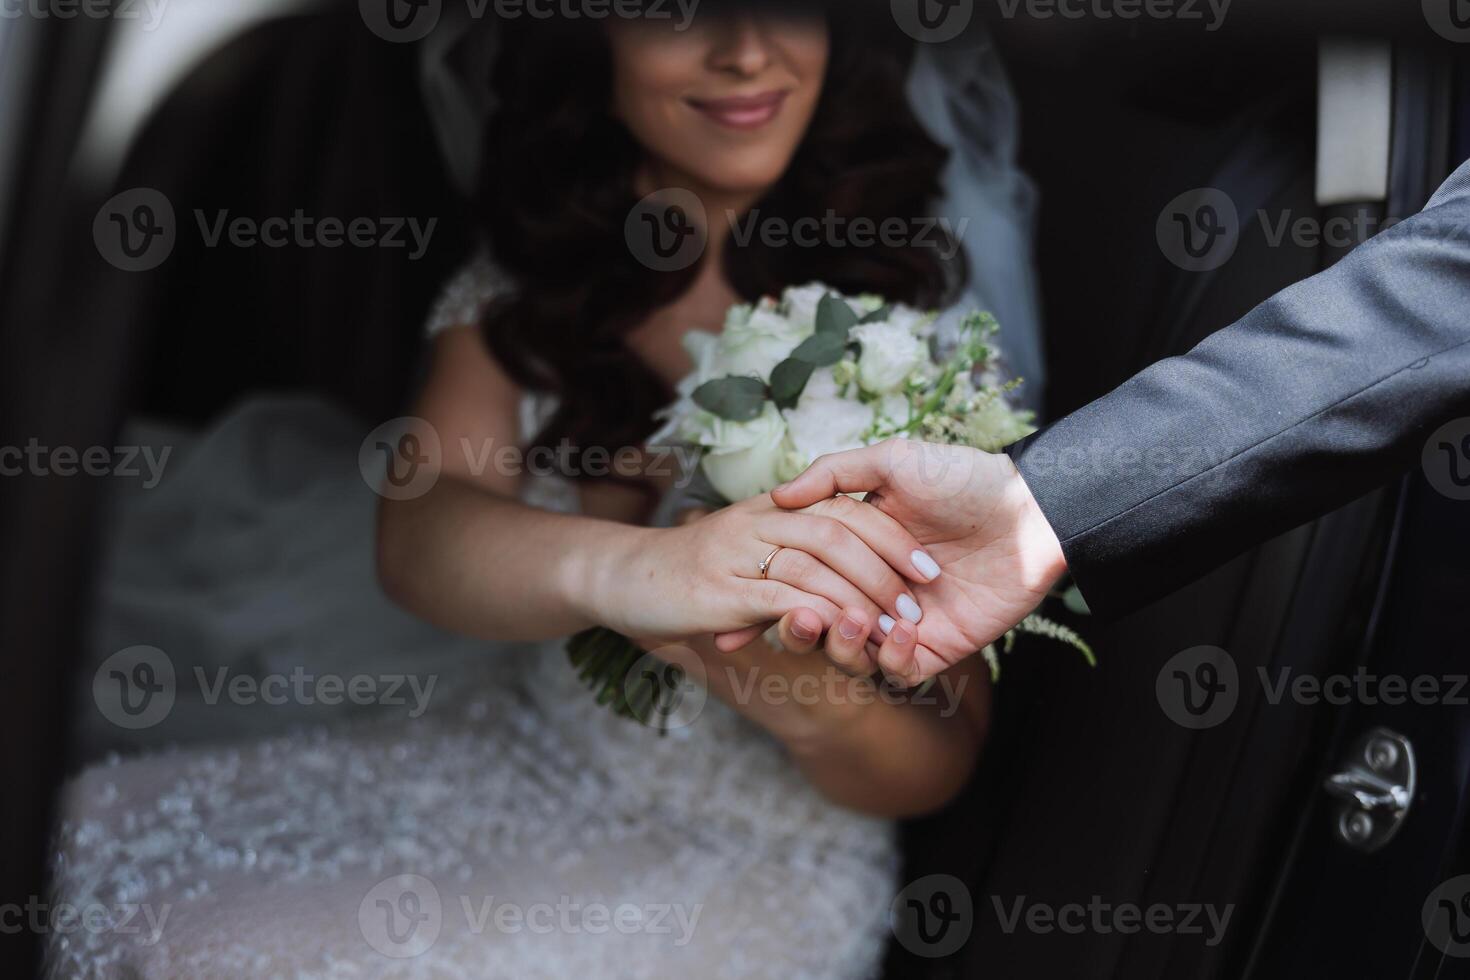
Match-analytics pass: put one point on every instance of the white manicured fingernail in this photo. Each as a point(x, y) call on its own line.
point(924, 565)
point(909, 609)
point(885, 623)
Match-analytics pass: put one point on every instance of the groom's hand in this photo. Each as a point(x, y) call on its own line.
point(972, 512)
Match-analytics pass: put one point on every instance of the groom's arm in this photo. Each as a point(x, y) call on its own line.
point(1321, 393)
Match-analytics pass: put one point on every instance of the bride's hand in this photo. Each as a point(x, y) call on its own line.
point(797, 697)
point(999, 554)
point(705, 577)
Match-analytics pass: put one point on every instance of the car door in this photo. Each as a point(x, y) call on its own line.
point(53, 392)
point(1105, 798)
point(1375, 881)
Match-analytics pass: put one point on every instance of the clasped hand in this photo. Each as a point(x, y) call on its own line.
point(948, 551)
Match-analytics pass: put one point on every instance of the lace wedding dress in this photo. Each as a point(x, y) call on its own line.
point(516, 830)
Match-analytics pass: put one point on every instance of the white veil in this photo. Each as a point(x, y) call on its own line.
point(959, 91)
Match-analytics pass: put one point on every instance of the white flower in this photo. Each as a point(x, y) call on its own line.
point(844, 372)
point(822, 384)
point(801, 304)
point(894, 410)
point(738, 315)
point(994, 424)
point(743, 458)
point(910, 319)
point(770, 323)
point(891, 353)
point(753, 347)
point(681, 419)
point(826, 424)
point(703, 349)
point(753, 356)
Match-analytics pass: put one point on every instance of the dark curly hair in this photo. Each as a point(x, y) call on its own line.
point(558, 185)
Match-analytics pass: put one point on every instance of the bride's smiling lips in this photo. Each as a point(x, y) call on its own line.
point(742, 111)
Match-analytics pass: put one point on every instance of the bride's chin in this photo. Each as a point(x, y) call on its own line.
point(740, 175)
point(723, 189)
point(756, 174)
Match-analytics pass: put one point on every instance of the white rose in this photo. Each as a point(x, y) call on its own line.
point(818, 426)
point(753, 355)
point(703, 349)
point(890, 354)
point(770, 323)
point(738, 315)
point(743, 459)
point(910, 319)
point(754, 347)
point(801, 304)
point(822, 384)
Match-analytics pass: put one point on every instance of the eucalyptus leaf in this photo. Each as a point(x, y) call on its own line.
point(735, 399)
point(834, 315)
point(788, 381)
point(879, 315)
point(822, 349)
point(1073, 600)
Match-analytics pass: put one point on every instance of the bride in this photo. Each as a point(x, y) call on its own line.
point(526, 831)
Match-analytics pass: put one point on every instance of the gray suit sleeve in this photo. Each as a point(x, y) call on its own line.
point(1318, 395)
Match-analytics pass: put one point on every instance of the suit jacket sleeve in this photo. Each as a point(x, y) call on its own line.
point(1323, 392)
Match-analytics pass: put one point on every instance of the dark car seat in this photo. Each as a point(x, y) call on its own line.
point(312, 113)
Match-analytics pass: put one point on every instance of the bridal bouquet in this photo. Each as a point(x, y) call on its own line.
point(812, 373)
